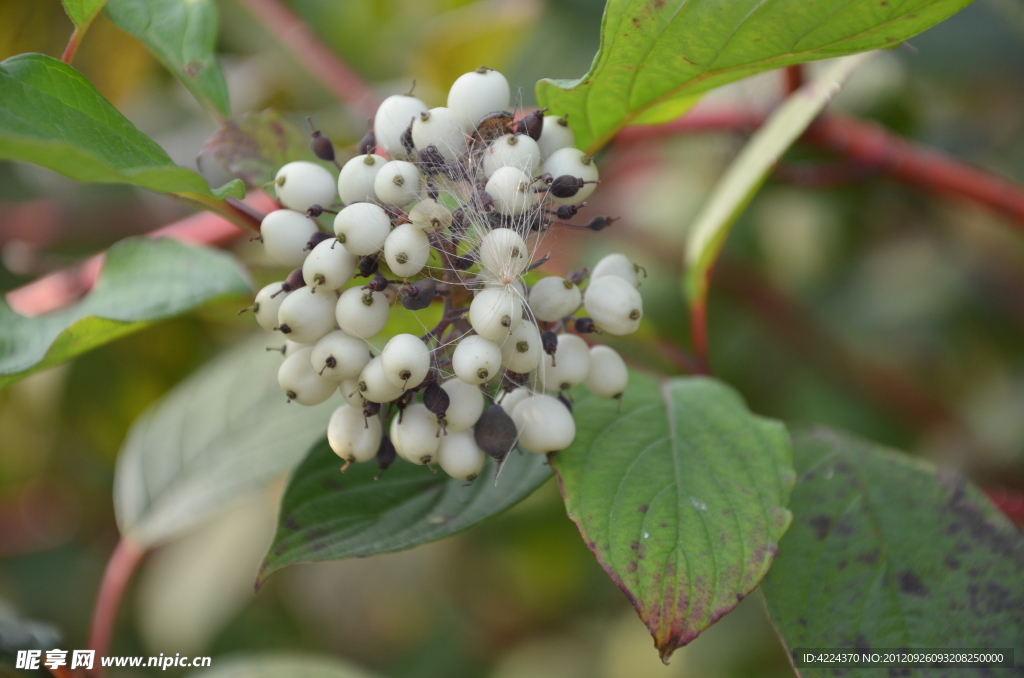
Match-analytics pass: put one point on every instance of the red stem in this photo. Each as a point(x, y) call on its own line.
point(794, 76)
point(73, 42)
point(699, 333)
point(122, 563)
point(293, 33)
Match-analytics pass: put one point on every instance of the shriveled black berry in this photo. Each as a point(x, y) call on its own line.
point(484, 201)
point(315, 240)
point(601, 223)
point(495, 433)
point(585, 326)
point(369, 410)
point(420, 294)
point(406, 139)
point(456, 171)
point(319, 144)
point(293, 282)
point(368, 265)
point(386, 455)
point(462, 263)
point(436, 399)
point(377, 284)
point(566, 186)
point(368, 144)
point(430, 161)
point(314, 211)
point(578, 276)
point(568, 211)
point(532, 124)
point(549, 342)
point(432, 191)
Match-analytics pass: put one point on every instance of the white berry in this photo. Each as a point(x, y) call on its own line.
point(361, 313)
point(512, 191)
point(285, 234)
point(512, 150)
point(495, 312)
point(544, 424)
point(301, 184)
point(393, 117)
point(476, 360)
point(300, 382)
point(441, 128)
point(355, 182)
point(414, 434)
point(352, 436)
point(571, 364)
point(306, 315)
point(459, 456)
point(608, 375)
point(504, 255)
point(521, 351)
point(406, 361)
point(554, 298)
point(555, 134)
point(398, 183)
point(329, 266)
point(514, 397)
point(349, 390)
point(465, 405)
point(268, 301)
point(339, 356)
point(477, 93)
point(575, 163)
point(430, 216)
point(362, 228)
point(374, 384)
point(614, 305)
point(406, 250)
point(618, 265)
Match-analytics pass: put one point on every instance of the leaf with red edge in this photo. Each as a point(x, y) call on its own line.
point(681, 496)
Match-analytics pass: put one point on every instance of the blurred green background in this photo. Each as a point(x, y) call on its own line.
point(864, 305)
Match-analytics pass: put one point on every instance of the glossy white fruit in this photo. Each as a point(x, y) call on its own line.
point(477, 93)
point(544, 424)
point(291, 347)
point(510, 400)
point(374, 385)
point(554, 298)
point(416, 436)
point(608, 376)
point(614, 304)
point(571, 364)
point(393, 117)
point(339, 356)
point(487, 280)
point(521, 351)
point(362, 228)
point(406, 361)
point(306, 315)
point(555, 134)
point(329, 266)
point(430, 216)
point(398, 183)
point(349, 390)
point(465, 405)
point(459, 456)
point(575, 163)
point(504, 255)
point(355, 182)
point(442, 128)
point(476, 360)
point(495, 312)
point(301, 184)
point(300, 382)
point(512, 150)
point(352, 436)
point(285, 234)
point(512, 190)
point(406, 250)
point(361, 313)
point(266, 305)
point(618, 265)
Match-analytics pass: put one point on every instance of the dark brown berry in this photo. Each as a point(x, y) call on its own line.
point(386, 455)
point(495, 433)
point(368, 144)
point(586, 326)
point(315, 240)
point(420, 294)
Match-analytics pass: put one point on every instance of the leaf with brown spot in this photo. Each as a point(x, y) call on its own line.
point(253, 146)
point(889, 572)
point(714, 480)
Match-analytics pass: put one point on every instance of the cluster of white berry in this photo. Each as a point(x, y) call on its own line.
point(455, 215)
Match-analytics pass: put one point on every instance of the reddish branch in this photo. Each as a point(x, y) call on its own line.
point(290, 30)
point(73, 42)
point(122, 563)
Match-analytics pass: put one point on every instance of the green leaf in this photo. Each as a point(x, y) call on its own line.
point(666, 53)
point(737, 187)
point(143, 280)
point(52, 116)
point(225, 430)
point(182, 34)
point(254, 146)
point(282, 664)
point(886, 552)
point(327, 515)
point(681, 497)
point(82, 12)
